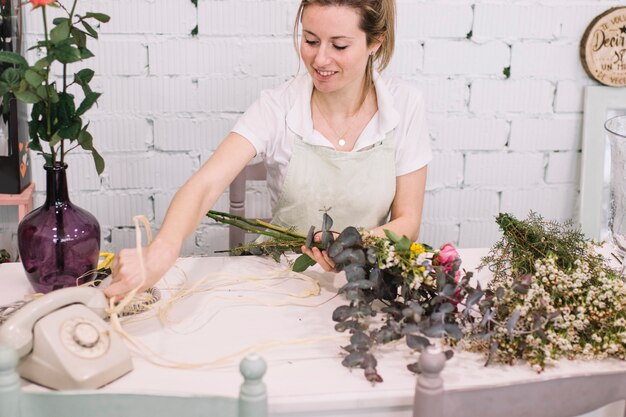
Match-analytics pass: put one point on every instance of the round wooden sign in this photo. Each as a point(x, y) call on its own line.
point(603, 48)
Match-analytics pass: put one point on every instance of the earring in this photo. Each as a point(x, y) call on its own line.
point(372, 53)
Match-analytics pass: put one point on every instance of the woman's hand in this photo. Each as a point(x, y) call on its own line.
point(158, 258)
point(321, 257)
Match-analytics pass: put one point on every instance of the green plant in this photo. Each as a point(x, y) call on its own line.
point(55, 118)
point(552, 296)
point(4, 256)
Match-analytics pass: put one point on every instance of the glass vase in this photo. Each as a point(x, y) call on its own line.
point(616, 128)
point(59, 243)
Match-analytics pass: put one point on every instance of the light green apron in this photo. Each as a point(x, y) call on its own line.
point(357, 188)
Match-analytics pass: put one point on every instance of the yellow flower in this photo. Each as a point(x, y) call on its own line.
point(416, 249)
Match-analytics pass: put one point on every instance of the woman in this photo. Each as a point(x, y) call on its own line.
point(339, 138)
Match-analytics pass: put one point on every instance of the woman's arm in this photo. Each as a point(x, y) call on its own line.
point(406, 213)
point(187, 209)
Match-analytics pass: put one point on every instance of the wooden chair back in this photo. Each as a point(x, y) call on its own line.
point(556, 397)
point(14, 402)
point(254, 172)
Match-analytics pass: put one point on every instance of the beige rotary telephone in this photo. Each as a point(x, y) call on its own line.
point(63, 341)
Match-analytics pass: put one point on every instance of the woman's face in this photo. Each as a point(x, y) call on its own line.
point(333, 48)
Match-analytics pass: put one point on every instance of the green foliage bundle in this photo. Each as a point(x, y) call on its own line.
point(415, 289)
point(552, 296)
point(55, 117)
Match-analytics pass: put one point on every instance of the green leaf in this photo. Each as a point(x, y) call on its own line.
point(41, 91)
point(41, 64)
point(58, 20)
point(27, 96)
point(4, 88)
point(65, 109)
point(67, 54)
point(47, 158)
point(33, 78)
point(87, 103)
point(342, 313)
point(35, 145)
point(194, 31)
point(71, 130)
point(392, 236)
point(454, 331)
point(91, 31)
point(403, 244)
point(13, 58)
point(55, 139)
point(474, 298)
point(436, 330)
point(83, 76)
point(79, 36)
point(417, 342)
point(12, 77)
point(60, 32)
point(510, 325)
point(302, 263)
point(98, 161)
point(85, 140)
point(100, 17)
point(37, 111)
point(54, 96)
point(85, 53)
point(447, 308)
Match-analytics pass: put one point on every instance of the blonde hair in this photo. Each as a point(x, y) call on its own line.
point(377, 21)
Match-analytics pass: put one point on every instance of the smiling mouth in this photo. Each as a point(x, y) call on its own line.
point(325, 73)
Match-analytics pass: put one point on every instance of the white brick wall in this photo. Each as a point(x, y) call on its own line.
point(500, 144)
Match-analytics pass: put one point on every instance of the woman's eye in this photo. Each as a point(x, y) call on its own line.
point(339, 47)
point(310, 42)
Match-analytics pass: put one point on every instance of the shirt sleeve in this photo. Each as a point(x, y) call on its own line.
point(259, 123)
point(413, 150)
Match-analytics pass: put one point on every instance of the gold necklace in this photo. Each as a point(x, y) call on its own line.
point(341, 138)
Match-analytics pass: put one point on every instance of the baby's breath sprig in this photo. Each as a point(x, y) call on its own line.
point(552, 296)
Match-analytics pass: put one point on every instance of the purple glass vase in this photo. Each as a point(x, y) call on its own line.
point(59, 243)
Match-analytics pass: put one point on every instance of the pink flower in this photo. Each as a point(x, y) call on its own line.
point(446, 256)
point(37, 3)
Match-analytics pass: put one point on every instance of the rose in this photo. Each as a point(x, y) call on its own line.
point(37, 3)
point(446, 256)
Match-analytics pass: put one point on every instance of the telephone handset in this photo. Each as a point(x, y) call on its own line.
point(63, 341)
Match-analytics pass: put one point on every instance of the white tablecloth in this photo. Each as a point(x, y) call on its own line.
point(299, 343)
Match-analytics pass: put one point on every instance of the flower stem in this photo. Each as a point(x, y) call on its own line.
point(47, 105)
point(255, 226)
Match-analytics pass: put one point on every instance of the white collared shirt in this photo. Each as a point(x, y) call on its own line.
point(278, 113)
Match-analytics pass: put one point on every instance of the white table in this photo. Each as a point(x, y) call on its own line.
point(302, 379)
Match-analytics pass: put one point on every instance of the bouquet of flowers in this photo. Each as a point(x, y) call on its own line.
point(416, 288)
point(552, 296)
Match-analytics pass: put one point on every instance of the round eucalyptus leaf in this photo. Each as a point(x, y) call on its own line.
point(350, 237)
point(354, 272)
